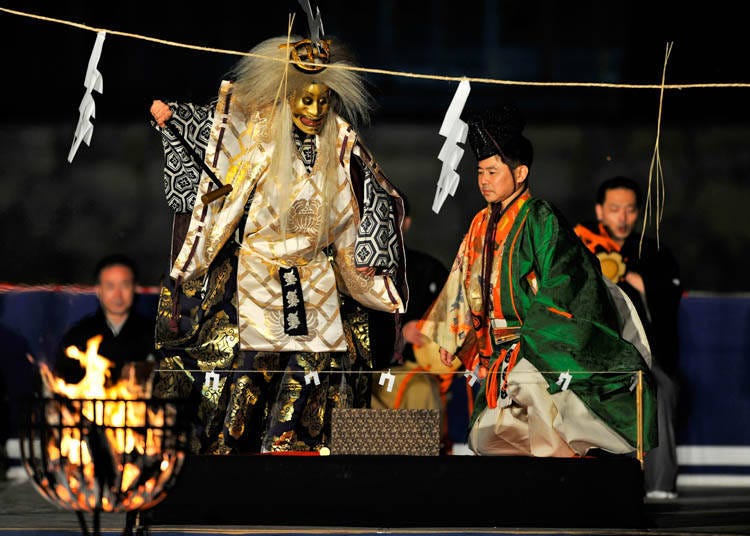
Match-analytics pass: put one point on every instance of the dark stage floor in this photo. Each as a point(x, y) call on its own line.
point(697, 511)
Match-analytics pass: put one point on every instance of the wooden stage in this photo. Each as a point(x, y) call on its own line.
point(404, 491)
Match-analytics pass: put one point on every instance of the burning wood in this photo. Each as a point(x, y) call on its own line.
point(103, 447)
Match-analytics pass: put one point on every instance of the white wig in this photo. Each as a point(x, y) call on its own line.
point(267, 80)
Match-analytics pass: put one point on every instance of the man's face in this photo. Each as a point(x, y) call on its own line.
point(116, 289)
point(618, 212)
point(496, 181)
point(310, 106)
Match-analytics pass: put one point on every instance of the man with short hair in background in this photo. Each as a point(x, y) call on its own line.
point(649, 274)
point(127, 336)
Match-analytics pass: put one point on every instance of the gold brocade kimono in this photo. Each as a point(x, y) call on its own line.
point(244, 161)
point(250, 325)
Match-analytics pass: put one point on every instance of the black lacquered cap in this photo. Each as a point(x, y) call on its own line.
point(495, 132)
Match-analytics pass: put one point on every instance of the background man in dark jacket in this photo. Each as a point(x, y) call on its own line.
point(648, 272)
point(127, 336)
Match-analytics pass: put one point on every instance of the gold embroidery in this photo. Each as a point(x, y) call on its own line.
point(217, 285)
point(191, 288)
point(173, 380)
point(210, 398)
point(275, 326)
point(314, 411)
point(353, 279)
point(284, 408)
point(163, 316)
point(305, 217)
point(240, 400)
point(266, 363)
point(216, 341)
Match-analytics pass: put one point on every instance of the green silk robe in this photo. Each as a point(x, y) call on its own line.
point(547, 295)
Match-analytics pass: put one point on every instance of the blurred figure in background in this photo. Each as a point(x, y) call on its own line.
point(4, 426)
point(18, 380)
point(422, 381)
point(649, 274)
point(127, 336)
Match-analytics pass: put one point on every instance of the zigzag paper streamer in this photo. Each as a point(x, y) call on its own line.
point(312, 376)
point(387, 377)
point(564, 380)
point(455, 131)
point(87, 108)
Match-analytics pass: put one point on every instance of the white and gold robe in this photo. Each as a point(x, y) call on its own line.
point(239, 152)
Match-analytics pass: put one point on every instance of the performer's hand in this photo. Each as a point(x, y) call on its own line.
point(367, 271)
point(412, 334)
point(161, 112)
point(636, 281)
point(446, 358)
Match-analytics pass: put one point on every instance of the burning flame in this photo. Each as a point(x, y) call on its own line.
point(133, 444)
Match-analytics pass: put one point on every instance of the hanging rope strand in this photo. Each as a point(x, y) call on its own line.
point(655, 173)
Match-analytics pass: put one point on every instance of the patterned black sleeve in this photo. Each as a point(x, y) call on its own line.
point(378, 240)
point(181, 172)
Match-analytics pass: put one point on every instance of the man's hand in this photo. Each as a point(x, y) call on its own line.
point(636, 281)
point(367, 271)
point(412, 334)
point(161, 112)
point(446, 358)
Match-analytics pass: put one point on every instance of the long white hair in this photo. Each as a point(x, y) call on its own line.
point(267, 80)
